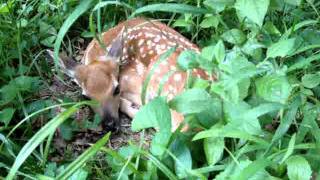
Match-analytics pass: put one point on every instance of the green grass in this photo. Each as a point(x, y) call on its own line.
point(259, 120)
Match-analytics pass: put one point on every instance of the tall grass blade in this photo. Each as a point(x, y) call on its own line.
point(80, 9)
point(106, 3)
point(170, 7)
point(44, 132)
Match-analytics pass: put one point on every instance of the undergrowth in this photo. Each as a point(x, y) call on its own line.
point(258, 120)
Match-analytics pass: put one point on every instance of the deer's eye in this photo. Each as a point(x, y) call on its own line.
point(116, 90)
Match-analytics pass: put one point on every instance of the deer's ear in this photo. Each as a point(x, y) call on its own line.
point(66, 63)
point(116, 48)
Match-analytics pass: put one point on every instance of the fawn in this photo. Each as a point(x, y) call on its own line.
point(114, 75)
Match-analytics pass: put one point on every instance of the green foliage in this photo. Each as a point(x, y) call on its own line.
point(257, 120)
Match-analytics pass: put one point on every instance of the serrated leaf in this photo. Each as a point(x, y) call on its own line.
point(187, 60)
point(255, 169)
point(235, 115)
point(234, 36)
point(156, 114)
point(310, 80)
point(6, 115)
point(211, 21)
point(274, 88)
point(191, 101)
point(208, 53)
point(49, 41)
point(26, 83)
point(253, 48)
point(8, 93)
point(254, 10)
point(281, 48)
point(298, 168)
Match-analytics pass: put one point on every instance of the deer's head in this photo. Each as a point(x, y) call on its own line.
point(99, 81)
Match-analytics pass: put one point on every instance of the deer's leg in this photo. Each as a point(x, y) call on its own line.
point(177, 119)
point(128, 107)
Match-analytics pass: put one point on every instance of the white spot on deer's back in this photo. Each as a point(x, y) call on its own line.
point(140, 69)
point(163, 46)
point(177, 77)
point(141, 41)
point(173, 68)
point(157, 39)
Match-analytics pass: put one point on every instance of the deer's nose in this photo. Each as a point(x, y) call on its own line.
point(110, 123)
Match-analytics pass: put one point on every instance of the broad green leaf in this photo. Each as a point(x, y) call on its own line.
point(253, 48)
point(80, 174)
point(281, 48)
point(243, 86)
point(298, 168)
point(228, 132)
point(238, 67)
point(242, 117)
point(155, 114)
point(213, 149)
point(235, 113)
point(253, 169)
point(234, 36)
point(46, 29)
point(219, 52)
point(254, 10)
point(209, 117)
point(208, 53)
point(244, 169)
point(49, 41)
point(218, 5)
point(271, 28)
point(210, 21)
point(6, 115)
point(274, 88)
point(76, 165)
point(183, 163)
point(182, 23)
point(27, 83)
point(310, 80)
point(4, 7)
point(187, 60)
point(191, 101)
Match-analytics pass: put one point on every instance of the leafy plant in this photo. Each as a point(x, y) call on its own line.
point(258, 118)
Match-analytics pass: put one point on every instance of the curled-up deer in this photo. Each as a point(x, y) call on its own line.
point(114, 74)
